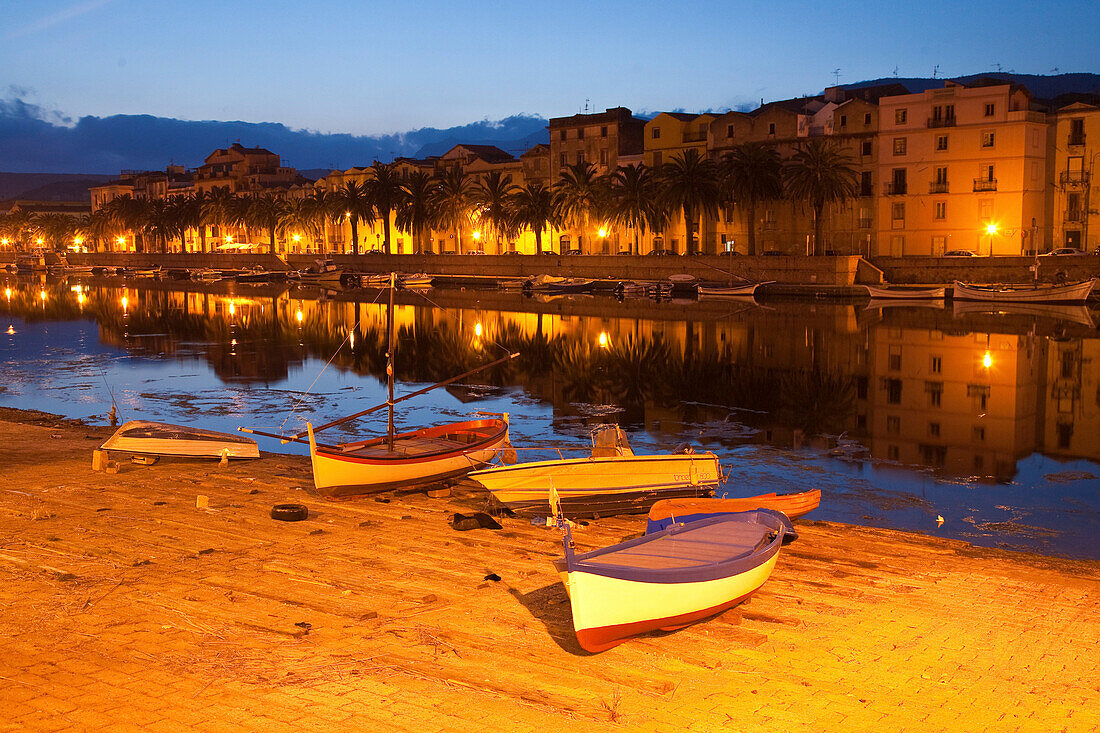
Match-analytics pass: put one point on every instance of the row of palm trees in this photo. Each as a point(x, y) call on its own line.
point(639, 198)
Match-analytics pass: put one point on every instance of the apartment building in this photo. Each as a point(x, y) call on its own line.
point(600, 139)
point(1073, 147)
point(962, 167)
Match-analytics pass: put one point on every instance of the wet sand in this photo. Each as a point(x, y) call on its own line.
point(128, 607)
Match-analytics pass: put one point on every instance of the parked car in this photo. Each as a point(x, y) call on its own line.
point(513, 252)
point(694, 252)
point(624, 252)
point(1097, 250)
point(960, 253)
point(475, 251)
point(730, 253)
point(1062, 251)
point(773, 253)
point(660, 253)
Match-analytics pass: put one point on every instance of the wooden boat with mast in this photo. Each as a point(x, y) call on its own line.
point(402, 460)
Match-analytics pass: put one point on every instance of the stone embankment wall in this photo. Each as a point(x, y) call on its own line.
point(946, 270)
point(825, 272)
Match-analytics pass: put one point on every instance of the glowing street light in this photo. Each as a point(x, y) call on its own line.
point(991, 229)
point(987, 360)
point(121, 241)
point(229, 239)
point(602, 233)
point(477, 236)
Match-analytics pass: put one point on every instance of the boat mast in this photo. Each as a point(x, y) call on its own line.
point(389, 362)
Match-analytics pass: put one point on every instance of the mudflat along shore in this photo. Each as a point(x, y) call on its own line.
point(165, 597)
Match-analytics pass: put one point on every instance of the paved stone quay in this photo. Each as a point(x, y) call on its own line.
point(126, 606)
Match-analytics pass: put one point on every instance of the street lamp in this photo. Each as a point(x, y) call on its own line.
point(991, 229)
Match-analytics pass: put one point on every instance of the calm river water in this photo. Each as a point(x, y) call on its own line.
point(900, 414)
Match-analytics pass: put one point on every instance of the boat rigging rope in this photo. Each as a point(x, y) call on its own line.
point(305, 394)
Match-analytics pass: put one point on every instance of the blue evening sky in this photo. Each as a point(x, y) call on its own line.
point(377, 67)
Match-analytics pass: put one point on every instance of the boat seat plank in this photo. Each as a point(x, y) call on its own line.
point(701, 546)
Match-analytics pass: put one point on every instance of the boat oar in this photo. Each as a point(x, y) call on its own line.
point(376, 408)
point(285, 438)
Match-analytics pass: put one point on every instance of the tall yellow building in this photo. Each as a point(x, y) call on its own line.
point(962, 167)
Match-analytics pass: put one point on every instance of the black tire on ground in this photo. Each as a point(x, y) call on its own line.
point(289, 512)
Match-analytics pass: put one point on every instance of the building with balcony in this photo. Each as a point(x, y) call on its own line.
point(964, 167)
point(1075, 147)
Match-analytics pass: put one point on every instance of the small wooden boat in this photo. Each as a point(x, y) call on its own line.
point(748, 290)
point(669, 579)
point(206, 275)
point(401, 460)
point(415, 458)
point(1073, 293)
point(667, 512)
point(162, 439)
point(898, 293)
point(551, 285)
point(612, 480)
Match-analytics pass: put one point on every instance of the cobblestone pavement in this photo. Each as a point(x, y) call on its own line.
point(127, 607)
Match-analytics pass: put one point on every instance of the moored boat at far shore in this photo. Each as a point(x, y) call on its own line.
point(1037, 293)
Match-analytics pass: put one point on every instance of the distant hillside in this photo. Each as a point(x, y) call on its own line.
point(48, 186)
point(1042, 86)
point(31, 142)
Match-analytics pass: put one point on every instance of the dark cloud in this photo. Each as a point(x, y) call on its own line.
point(36, 140)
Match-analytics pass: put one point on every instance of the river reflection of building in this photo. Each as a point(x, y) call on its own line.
point(966, 395)
point(975, 403)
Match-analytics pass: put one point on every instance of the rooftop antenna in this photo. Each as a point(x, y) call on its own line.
point(586, 101)
point(895, 72)
point(998, 67)
point(836, 76)
point(935, 71)
point(1054, 70)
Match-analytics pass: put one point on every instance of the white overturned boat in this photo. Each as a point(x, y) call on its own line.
point(669, 579)
point(711, 290)
point(162, 439)
point(1072, 293)
point(610, 481)
point(901, 293)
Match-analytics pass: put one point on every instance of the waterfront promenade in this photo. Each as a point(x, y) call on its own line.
point(126, 606)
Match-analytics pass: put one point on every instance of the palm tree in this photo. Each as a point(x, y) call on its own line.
point(386, 193)
point(491, 196)
point(128, 214)
point(18, 224)
point(689, 182)
point(160, 222)
point(180, 213)
point(298, 218)
point(414, 209)
point(532, 207)
point(578, 196)
point(451, 199)
point(55, 229)
point(634, 201)
point(821, 173)
point(193, 216)
point(217, 209)
point(266, 211)
point(353, 198)
point(100, 228)
point(319, 208)
point(751, 174)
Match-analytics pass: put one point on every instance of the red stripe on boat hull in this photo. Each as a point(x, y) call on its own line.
point(601, 638)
